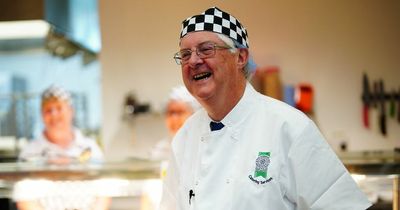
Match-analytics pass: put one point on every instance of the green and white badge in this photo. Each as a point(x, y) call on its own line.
point(261, 169)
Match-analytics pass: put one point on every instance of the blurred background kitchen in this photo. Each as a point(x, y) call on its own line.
point(338, 61)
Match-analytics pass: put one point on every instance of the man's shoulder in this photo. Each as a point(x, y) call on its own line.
point(271, 112)
point(279, 108)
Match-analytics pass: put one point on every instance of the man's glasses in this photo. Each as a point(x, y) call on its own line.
point(203, 50)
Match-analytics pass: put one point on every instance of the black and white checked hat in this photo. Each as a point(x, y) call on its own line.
point(56, 92)
point(218, 21)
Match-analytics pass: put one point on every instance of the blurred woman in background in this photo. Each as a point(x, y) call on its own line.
point(60, 144)
point(179, 107)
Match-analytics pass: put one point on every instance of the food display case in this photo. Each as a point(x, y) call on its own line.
point(125, 182)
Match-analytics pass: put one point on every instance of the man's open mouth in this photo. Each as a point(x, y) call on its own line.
point(201, 76)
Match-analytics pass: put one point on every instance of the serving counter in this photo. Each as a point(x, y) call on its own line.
point(127, 178)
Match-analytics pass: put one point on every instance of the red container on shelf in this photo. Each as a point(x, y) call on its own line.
point(304, 98)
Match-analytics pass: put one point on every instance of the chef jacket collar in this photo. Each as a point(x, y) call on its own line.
point(240, 111)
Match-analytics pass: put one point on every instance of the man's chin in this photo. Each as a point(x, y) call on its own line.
point(203, 95)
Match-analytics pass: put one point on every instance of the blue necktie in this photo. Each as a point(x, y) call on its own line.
point(216, 126)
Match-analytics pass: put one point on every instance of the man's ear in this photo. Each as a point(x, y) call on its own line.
point(243, 57)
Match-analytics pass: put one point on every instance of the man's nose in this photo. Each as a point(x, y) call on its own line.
point(194, 59)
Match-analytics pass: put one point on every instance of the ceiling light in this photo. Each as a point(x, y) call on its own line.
point(23, 29)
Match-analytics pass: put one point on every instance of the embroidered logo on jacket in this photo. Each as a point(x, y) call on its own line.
point(261, 170)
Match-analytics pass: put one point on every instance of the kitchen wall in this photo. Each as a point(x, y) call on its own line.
point(326, 43)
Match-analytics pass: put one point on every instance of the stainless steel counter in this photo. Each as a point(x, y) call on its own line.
point(372, 163)
point(129, 169)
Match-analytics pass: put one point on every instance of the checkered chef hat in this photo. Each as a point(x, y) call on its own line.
point(56, 92)
point(218, 21)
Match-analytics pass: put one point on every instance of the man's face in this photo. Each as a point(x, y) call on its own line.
point(176, 114)
point(222, 70)
point(57, 115)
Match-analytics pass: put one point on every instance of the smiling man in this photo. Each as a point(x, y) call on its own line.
point(245, 150)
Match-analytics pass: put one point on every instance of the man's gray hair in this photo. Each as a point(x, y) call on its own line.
point(250, 67)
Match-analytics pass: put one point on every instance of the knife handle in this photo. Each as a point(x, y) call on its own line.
point(382, 123)
point(398, 106)
point(365, 116)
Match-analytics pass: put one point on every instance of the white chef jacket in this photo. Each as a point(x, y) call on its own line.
point(161, 150)
point(268, 156)
point(41, 149)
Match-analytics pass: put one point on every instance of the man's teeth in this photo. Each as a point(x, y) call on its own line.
point(201, 76)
